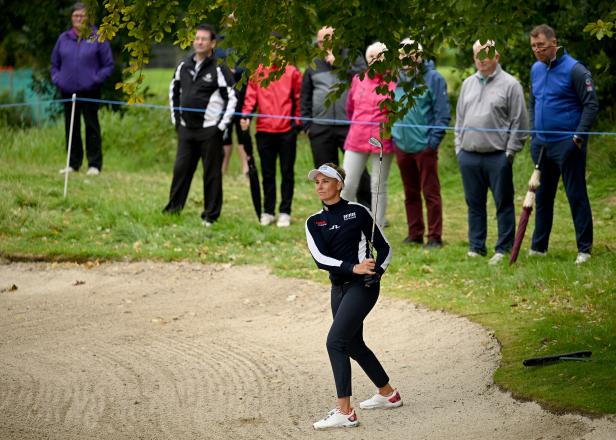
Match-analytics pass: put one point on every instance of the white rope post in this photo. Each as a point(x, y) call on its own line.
point(70, 144)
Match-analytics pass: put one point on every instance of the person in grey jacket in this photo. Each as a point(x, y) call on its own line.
point(327, 125)
point(491, 127)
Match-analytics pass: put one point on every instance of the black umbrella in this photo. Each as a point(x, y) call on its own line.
point(253, 178)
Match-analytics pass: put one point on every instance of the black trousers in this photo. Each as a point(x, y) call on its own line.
point(89, 111)
point(195, 144)
point(243, 137)
point(564, 159)
point(272, 146)
point(351, 303)
point(325, 142)
point(480, 172)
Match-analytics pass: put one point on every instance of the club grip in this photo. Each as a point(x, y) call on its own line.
point(555, 358)
point(370, 280)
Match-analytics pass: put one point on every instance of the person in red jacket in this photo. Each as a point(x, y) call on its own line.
point(276, 136)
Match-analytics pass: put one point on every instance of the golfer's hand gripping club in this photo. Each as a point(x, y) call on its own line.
point(366, 267)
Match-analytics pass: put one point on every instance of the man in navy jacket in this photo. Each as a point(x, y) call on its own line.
point(563, 106)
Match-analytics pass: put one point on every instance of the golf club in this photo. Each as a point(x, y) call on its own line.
point(371, 279)
point(580, 356)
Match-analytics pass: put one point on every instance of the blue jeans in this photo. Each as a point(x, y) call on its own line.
point(481, 171)
point(566, 159)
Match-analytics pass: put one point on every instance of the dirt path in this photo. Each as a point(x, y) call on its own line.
point(185, 351)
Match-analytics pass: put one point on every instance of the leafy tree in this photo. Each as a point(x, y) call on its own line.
point(248, 25)
point(359, 22)
point(29, 30)
point(28, 34)
point(569, 19)
point(603, 28)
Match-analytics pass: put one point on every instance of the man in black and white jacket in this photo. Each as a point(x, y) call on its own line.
point(202, 101)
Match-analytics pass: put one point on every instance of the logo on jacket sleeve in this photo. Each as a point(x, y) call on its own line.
point(321, 223)
point(588, 83)
point(349, 216)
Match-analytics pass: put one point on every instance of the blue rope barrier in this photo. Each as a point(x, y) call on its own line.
point(323, 121)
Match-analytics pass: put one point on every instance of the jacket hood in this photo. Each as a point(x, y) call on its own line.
point(72, 34)
point(190, 59)
point(427, 66)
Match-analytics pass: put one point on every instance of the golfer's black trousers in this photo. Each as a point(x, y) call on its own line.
point(272, 146)
point(351, 303)
point(89, 110)
point(195, 144)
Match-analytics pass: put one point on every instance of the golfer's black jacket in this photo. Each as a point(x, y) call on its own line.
point(338, 239)
point(206, 95)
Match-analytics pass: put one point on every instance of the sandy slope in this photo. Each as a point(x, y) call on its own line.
point(185, 351)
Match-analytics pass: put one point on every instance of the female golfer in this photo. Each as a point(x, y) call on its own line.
point(338, 238)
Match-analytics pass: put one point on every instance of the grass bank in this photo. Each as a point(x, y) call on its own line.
point(537, 307)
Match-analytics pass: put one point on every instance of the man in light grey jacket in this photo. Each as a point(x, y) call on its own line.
point(491, 127)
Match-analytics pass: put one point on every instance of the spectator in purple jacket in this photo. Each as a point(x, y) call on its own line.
point(81, 66)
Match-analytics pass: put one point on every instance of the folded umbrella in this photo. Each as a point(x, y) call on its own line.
point(527, 209)
point(253, 178)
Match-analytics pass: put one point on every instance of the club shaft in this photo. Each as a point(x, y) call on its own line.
point(376, 203)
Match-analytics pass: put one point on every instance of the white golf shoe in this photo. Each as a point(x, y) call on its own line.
point(534, 253)
point(284, 221)
point(336, 419)
point(266, 219)
point(496, 258)
point(582, 258)
point(386, 402)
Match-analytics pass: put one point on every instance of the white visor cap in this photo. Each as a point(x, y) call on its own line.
point(328, 171)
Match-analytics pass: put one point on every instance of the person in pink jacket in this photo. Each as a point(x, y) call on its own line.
point(365, 115)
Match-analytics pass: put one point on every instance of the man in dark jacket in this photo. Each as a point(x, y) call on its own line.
point(327, 125)
point(81, 66)
point(202, 103)
point(563, 106)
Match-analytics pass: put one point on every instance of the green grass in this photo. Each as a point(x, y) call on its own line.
point(537, 307)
